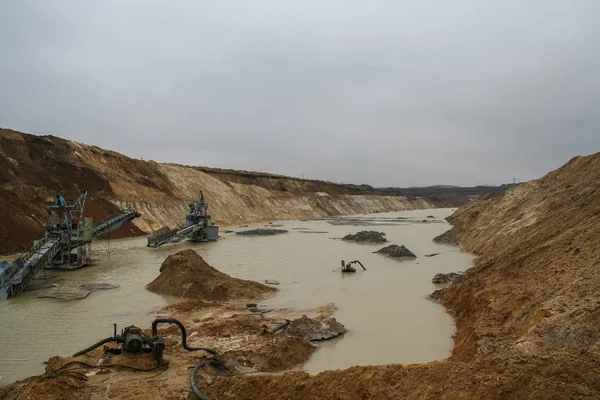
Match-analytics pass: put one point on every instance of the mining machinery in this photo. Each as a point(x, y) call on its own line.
point(197, 227)
point(66, 243)
point(347, 266)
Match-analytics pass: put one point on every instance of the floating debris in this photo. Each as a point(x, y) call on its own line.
point(48, 283)
point(99, 286)
point(262, 232)
point(65, 294)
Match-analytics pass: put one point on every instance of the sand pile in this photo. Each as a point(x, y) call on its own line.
point(186, 274)
point(312, 329)
point(366, 237)
point(396, 251)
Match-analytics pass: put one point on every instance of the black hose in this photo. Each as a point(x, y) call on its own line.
point(193, 377)
point(216, 359)
point(183, 334)
point(92, 347)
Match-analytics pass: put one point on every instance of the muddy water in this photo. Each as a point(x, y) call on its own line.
point(384, 308)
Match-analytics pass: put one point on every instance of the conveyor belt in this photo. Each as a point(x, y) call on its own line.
point(15, 278)
point(113, 223)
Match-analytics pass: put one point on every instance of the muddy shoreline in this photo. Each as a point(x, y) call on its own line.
point(306, 281)
point(247, 336)
point(247, 339)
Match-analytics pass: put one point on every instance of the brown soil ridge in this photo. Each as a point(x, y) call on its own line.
point(186, 274)
point(33, 168)
point(534, 288)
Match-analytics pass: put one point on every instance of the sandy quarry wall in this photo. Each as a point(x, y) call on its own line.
point(527, 315)
point(535, 287)
point(33, 168)
point(234, 203)
point(287, 183)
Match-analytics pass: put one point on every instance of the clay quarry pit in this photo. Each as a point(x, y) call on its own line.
point(501, 300)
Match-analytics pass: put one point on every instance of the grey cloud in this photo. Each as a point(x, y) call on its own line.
point(383, 92)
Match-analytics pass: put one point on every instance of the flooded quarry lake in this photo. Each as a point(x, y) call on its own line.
point(385, 309)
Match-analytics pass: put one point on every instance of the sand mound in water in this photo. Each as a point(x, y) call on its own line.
point(311, 329)
point(396, 251)
point(186, 274)
point(366, 237)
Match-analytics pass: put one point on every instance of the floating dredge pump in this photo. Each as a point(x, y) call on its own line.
point(347, 266)
point(197, 227)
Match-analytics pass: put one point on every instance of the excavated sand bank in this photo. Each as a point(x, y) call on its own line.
point(34, 167)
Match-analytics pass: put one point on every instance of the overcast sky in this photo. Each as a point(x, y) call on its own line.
point(384, 92)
